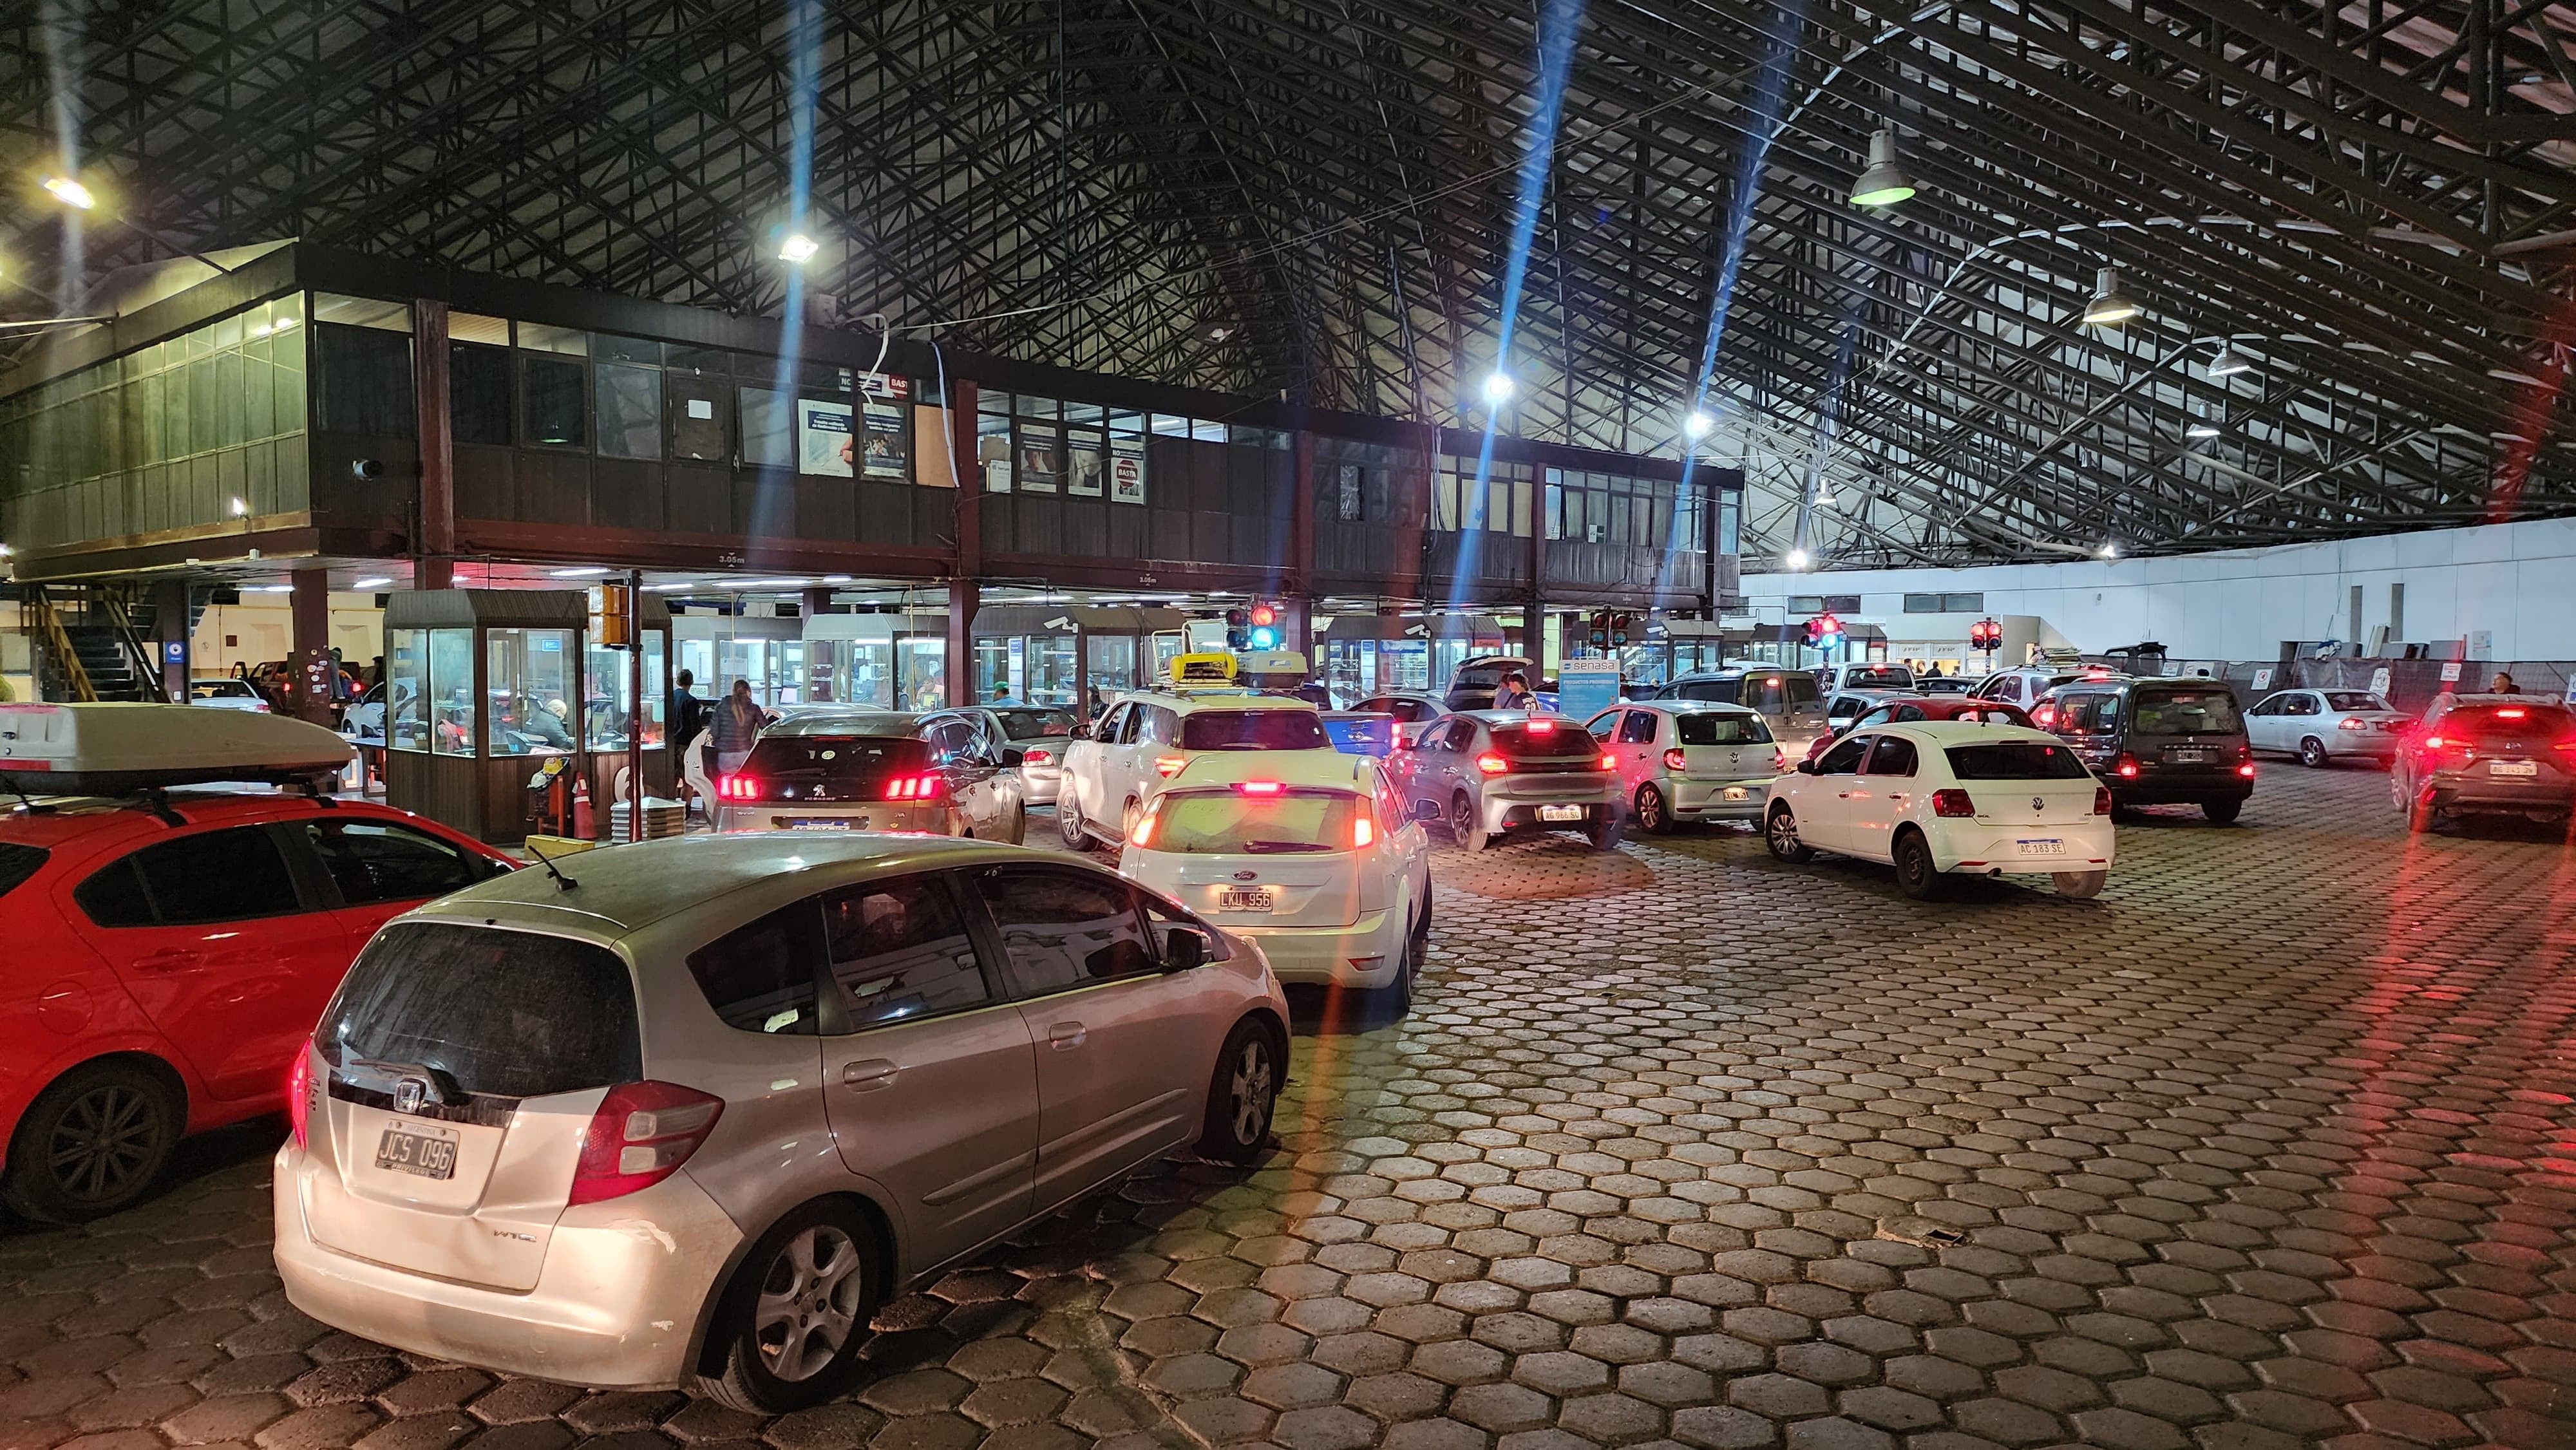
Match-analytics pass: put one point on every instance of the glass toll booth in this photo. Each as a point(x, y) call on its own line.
point(485, 685)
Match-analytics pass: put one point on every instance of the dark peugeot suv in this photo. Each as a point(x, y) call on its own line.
point(2158, 741)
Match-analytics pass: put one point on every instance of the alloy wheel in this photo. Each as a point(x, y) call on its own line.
point(103, 1142)
point(1250, 1088)
point(1650, 808)
point(809, 1303)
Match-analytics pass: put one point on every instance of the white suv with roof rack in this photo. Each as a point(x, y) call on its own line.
point(1145, 739)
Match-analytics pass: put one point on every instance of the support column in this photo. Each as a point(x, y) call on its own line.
point(963, 597)
point(310, 609)
point(169, 627)
point(963, 593)
point(1533, 644)
point(434, 546)
point(818, 676)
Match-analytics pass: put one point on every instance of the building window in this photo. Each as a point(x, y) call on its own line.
point(1945, 603)
point(630, 410)
point(768, 433)
point(1346, 493)
point(364, 378)
point(557, 414)
point(478, 393)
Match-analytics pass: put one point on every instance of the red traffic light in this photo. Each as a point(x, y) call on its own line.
point(1263, 614)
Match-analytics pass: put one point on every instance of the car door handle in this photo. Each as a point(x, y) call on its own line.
point(869, 1074)
point(173, 960)
point(1066, 1036)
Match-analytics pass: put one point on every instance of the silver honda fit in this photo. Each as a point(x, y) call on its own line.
point(689, 1114)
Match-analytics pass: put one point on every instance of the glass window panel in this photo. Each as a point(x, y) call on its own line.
point(361, 312)
point(478, 393)
point(1086, 463)
point(886, 447)
point(768, 429)
point(529, 693)
point(1207, 432)
point(609, 347)
point(538, 337)
point(1170, 426)
point(608, 704)
point(1091, 413)
point(555, 402)
point(406, 679)
point(477, 328)
point(1126, 422)
point(990, 401)
point(259, 390)
point(365, 378)
point(993, 451)
point(1029, 407)
point(630, 410)
point(450, 689)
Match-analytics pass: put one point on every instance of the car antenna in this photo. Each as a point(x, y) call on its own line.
point(562, 882)
point(34, 806)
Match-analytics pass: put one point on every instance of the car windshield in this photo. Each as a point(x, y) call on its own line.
point(1545, 739)
point(2185, 712)
point(17, 863)
point(1035, 724)
point(1253, 730)
point(836, 759)
point(2353, 700)
point(2014, 760)
point(2536, 723)
point(1238, 823)
point(1716, 729)
point(509, 1013)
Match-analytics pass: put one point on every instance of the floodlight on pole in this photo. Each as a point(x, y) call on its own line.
point(2110, 306)
point(798, 249)
point(70, 192)
point(1884, 183)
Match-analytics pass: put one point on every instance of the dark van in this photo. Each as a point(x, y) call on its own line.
point(2159, 741)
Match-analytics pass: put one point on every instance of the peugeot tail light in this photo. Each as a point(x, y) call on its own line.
point(737, 787)
point(299, 1091)
point(1953, 803)
point(641, 1134)
point(2101, 800)
point(1492, 764)
point(923, 786)
point(1674, 759)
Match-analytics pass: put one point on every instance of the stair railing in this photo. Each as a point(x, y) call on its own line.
point(139, 656)
point(58, 646)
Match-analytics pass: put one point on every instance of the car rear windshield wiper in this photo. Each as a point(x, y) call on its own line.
point(1271, 848)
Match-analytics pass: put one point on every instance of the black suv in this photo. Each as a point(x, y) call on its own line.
point(2158, 741)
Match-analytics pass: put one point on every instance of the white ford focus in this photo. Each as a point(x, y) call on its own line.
point(1933, 799)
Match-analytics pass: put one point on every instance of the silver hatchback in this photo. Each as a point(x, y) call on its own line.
point(1487, 773)
point(690, 1115)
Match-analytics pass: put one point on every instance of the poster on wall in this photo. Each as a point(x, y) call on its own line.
point(824, 444)
point(1127, 470)
point(1041, 455)
point(2379, 682)
point(883, 401)
point(1085, 463)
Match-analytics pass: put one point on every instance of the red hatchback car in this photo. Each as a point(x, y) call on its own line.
point(1905, 708)
point(163, 967)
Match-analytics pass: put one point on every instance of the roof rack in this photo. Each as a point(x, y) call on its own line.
point(123, 749)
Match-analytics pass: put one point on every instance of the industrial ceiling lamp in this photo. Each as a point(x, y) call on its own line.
point(1497, 388)
point(798, 249)
point(2200, 428)
point(1696, 426)
point(2110, 306)
point(1797, 558)
point(2229, 362)
point(1883, 183)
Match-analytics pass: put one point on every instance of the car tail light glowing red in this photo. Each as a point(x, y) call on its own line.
point(2126, 767)
point(2513, 712)
point(2568, 745)
point(1492, 764)
point(299, 1091)
point(2040, 715)
point(925, 786)
point(1260, 787)
point(1540, 727)
point(641, 1135)
point(2101, 800)
point(1363, 832)
point(1675, 760)
point(2349, 723)
point(1779, 760)
point(1952, 803)
point(2246, 770)
point(1037, 757)
point(1168, 766)
point(1607, 761)
point(1143, 835)
point(737, 787)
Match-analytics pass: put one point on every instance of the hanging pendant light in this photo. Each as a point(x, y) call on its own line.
point(2110, 306)
point(1883, 183)
point(2229, 362)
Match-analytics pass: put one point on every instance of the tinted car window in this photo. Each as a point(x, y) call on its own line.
point(1639, 728)
point(2186, 712)
point(17, 863)
point(1035, 724)
point(1802, 690)
point(759, 977)
point(899, 952)
point(232, 875)
point(113, 896)
point(1763, 693)
point(1894, 756)
point(2014, 760)
point(2534, 724)
point(1253, 730)
point(1716, 729)
point(1063, 928)
point(1544, 739)
point(372, 861)
point(1231, 823)
point(2354, 700)
point(1880, 677)
point(834, 759)
point(1843, 759)
point(512, 1013)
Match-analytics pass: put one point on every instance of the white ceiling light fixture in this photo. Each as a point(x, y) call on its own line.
point(2200, 428)
point(378, 582)
point(2108, 550)
point(1797, 558)
point(1884, 183)
point(2110, 306)
point(587, 571)
point(1497, 388)
point(2229, 362)
point(798, 249)
point(772, 584)
point(70, 192)
point(1696, 426)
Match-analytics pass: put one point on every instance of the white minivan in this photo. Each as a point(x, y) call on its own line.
point(1145, 739)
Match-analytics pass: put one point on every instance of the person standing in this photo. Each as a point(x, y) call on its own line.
point(1513, 693)
point(2502, 684)
point(735, 726)
point(688, 712)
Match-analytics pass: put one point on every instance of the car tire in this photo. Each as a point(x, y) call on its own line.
point(1604, 830)
point(2222, 813)
point(795, 1314)
point(1464, 826)
point(1242, 1095)
point(1127, 816)
point(1019, 826)
point(2080, 885)
point(117, 1120)
point(2421, 816)
point(1652, 811)
point(1069, 824)
point(1917, 875)
point(2312, 754)
point(1395, 1000)
point(1780, 833)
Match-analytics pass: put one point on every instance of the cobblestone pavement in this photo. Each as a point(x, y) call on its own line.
point(2269, 1146)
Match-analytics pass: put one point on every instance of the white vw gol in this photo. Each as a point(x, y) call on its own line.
point(1937, 798)
point(1306, 853)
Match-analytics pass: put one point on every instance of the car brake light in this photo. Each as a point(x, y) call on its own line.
point(1168, 766)
point(2435, 742)
point(641, 1135)
point(1952, 803)
point(2246, 770)
point(1540, 727)
point(922, 787)
point(1363, 832)
point(1607, 761)
point(738, 787)
point(2042, 714)
point(1259, 787)
point(2349, 723)
point(1143, 835)
point(2127, 767)
point(1037, 757)
point(1675, 760)
point(299, 1090)
point(1492, 764)
point(2568, 745)
point(1779, 760)
point(2101, 800)
point(2513, 713)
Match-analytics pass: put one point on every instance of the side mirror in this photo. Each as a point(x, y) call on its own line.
point(1806, 767)
point(1082, 731)
point(1013, 757)
point(1183, 949)
point(1426, 810)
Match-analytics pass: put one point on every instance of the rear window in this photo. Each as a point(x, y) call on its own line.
point(835, 758)
point(1253, 730)
point(1879, 677)
point(1035, 724)
point(2353, 700)
point(1721, 730)
point(2184, 712)
point(1230, 823)
point(512, 1014)
point(1803, 690)
point(17, 863)
point(2014, 760)
point(1545, 739)
point(2536, 723)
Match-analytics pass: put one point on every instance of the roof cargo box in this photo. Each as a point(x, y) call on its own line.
point(108, 748)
